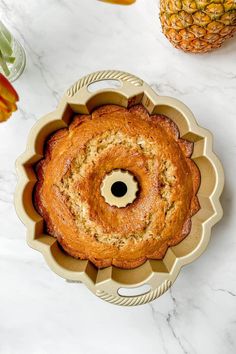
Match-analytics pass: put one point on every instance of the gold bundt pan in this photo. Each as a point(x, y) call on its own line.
point(120, 286)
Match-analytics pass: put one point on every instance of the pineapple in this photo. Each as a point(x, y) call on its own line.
point(119, 2)
point(198, 26)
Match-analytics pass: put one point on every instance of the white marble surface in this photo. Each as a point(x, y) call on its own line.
point(39, 312)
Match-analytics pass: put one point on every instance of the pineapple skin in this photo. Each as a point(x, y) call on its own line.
point(198, 26)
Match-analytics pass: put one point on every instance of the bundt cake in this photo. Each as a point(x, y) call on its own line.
point(69, 194)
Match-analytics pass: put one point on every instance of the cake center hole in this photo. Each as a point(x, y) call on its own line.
point(119, 189)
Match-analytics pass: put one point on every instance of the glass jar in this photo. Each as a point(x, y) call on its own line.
point(12, 55)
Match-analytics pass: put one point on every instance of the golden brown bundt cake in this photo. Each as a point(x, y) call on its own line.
point(77, 159)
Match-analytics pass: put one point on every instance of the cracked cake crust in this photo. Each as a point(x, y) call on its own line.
point(68, 197)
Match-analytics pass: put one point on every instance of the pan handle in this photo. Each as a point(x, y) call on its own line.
point(127, 81)
point(115, 296)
